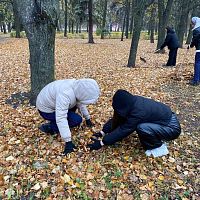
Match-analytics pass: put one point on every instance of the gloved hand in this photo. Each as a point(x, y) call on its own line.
point(69, 147)
point(89, 123)
point(98, 134)
point(188, 47)
point(97, 144)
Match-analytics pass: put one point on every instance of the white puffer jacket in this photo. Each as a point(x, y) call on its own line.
point(61, 95)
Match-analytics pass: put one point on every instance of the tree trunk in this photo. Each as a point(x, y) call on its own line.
point(123, 27)
point(66, 18)
point(72, 27)
point(103, 28)
point(4, 28)
point(189, 37)
point(77, 25)
point(127, 18)
point(90, 22)
point(163, 15)
point(138, 19)
point(17, 23)
point(183, 21)
point(152, 23)
point(40, 23)
point(132, 17)
point(139, 8)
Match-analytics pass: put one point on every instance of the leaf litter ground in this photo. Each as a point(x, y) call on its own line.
point(31, 164)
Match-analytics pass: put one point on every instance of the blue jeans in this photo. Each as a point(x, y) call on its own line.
point(197, 68)
point(72, 118)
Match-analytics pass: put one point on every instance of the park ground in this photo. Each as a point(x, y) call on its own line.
point(31, 164)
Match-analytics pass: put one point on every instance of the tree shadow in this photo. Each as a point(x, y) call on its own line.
point(17, 99)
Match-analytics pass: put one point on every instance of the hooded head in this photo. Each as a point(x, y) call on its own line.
point(86, 91)
point(170, 29)
point(123, 102)
point(195, 22)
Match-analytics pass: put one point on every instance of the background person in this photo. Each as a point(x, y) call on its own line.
point(171, 41)
point(196, 42)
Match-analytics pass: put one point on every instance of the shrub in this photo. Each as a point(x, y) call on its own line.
point(22, 34)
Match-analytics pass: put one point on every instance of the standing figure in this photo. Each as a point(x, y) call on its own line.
point(153, 121)
point(171, 41)
point(196, 42)
point(58, 101)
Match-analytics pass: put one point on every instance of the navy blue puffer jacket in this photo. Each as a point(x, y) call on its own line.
point(135, 110)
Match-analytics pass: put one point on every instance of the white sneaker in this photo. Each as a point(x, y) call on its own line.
point(160, 151)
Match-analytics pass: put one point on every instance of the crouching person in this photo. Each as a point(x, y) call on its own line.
point(153, 121)
point(57, 102)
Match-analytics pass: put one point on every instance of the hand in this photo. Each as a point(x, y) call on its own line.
point(97, 144)
point(69, 147)
point(188, 47)
point(98, 134)
point(89, 123)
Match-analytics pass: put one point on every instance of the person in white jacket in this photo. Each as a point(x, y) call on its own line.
point(57, 103)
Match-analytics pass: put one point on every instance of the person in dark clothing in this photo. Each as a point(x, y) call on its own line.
point(171, 41)
point(153, 121)
point(196, 42)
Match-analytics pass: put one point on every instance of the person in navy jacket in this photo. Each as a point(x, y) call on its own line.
point(153, 121)
point(171, 41)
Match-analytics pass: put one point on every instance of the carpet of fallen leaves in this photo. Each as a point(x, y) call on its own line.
point(31, 164)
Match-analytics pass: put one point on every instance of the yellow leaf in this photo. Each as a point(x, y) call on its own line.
point(150, 184)
point(126, 158)
point(77, 185)
point(161, 178)
point(143, 177)
point(67, 178)
point(180, 182)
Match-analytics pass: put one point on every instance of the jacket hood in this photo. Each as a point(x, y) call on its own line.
point(196, 22)
point(123, 102)
point(170, 29)
point(86, 91)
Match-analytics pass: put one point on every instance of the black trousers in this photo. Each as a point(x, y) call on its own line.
point(172, 57)
point(152, 135)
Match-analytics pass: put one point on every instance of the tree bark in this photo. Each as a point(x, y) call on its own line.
point(104, 19)
point(132, 17)
point(123, 27)
point(39, 22)
point(152, 23)
point(183, 21)
point(163, 15)
point(90, 22)
point(140, 8)
point(127, 18)
point(66, 18)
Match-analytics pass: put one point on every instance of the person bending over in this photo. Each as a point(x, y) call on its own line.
point(57, 102)
point(153, 121)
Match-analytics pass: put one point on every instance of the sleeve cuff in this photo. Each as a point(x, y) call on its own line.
point(102, 133)
point(67, 139)
point(101, 142)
